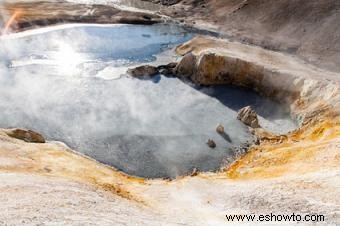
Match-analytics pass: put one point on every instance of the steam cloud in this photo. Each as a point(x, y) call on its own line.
point(66, 83)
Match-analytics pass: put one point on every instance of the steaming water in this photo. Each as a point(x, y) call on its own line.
point(66, 82)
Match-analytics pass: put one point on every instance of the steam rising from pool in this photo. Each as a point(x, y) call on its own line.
point(69, 83)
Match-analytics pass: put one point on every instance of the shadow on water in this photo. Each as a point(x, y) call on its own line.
point(273, 116)
point(236, 98)
point(226, 137)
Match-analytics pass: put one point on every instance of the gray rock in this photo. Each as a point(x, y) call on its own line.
point(186, 68)
point(249, 117)
point(211, 143)
point(220, 129)
point(169, 65)
point(166, 71)
point(143, 71)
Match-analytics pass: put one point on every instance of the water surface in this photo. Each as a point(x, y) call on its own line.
point(69, 83)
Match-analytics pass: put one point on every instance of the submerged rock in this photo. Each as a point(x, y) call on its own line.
point(143, 71)
point(211, 143)
point(26, 135)
point(220, 129)
point(249, 117)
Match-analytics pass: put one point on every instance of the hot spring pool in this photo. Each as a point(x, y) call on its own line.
point(69, 83)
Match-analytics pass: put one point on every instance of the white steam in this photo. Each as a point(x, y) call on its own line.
point(62, 82)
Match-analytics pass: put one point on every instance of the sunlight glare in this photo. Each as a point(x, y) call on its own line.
point(67, 59)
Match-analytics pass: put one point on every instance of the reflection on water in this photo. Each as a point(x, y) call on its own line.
point(87, 50)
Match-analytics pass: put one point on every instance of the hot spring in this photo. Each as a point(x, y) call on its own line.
point(70, 84)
